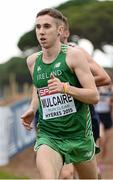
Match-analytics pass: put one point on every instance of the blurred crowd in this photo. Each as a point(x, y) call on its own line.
point(104, 109)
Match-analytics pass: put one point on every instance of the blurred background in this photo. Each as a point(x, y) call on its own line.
point(91, 24)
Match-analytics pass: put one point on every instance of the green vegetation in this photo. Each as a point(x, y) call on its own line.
point(4, 175)
point(16, 66)
point(28, 40)
point(90, 19)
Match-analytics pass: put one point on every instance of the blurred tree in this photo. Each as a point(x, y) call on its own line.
point(92, 20)
point(28, 40)
point(89, 19)
point(16, 66)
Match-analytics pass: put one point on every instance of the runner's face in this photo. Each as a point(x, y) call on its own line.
point(46, 31)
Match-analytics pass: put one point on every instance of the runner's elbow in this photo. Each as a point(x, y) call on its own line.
point(96, 98)
point(108, 81)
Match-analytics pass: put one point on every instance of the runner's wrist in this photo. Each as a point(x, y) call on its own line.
point(65, 88)
point(33, 109)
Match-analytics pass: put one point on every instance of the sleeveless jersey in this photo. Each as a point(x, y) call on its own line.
point(60, 115)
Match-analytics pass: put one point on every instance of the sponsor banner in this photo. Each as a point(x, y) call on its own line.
point(13, 135)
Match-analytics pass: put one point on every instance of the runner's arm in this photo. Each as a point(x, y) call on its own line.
point(88, 93)
point(34, 98)
point(100, 75)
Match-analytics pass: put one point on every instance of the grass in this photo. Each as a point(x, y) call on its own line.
point(5, 175)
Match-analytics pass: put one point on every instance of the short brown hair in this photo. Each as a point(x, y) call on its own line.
point(51, 12)
point(66, 24)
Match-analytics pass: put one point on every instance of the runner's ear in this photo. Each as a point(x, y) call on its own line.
point(58, 34)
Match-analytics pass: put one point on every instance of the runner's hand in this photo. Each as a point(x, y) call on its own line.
point(55, 85)
point(27, 119)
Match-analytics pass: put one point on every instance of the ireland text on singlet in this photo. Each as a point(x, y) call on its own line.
point(60, 115)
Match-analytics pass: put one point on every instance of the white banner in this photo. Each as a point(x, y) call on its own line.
point(13, 136)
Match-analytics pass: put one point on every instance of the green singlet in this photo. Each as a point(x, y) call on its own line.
point(61, 117)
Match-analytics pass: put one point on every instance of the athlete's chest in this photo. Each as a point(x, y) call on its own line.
point(44, 71)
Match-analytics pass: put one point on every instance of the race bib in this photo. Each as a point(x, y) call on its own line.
point(56, 105)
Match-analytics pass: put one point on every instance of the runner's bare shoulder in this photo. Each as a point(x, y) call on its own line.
point(31, 60)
